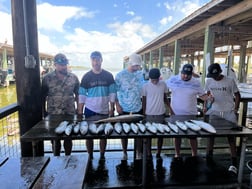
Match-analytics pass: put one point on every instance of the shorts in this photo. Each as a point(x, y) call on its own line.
point(227, 115)
point(89, 113)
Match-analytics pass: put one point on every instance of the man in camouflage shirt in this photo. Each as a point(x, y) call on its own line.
point(60, 91)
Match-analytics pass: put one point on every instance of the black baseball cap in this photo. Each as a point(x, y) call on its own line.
point(187, 69)
point(214, 70)
point(154, 73)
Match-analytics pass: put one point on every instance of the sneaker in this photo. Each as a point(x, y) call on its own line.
point(125, 156)
point(232, 169)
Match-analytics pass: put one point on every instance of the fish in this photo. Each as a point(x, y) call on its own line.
point(205, 126)
point(192, 126)
point(76, 128)
point(100, 129)
point(83, 127)
point(166, 128)
point(151, 127)
point(134, 128)
point(122, 118)
point(108, 128)
point(126, 128)
point(61, 127)
point(141, 127)
point(160, 128)
point(69, 129)
point(147, 124)
point(118, 127)
point(92, 128)
point(181, 125)
point(173, 127)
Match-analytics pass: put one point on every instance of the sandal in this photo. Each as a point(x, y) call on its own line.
point(232, 169)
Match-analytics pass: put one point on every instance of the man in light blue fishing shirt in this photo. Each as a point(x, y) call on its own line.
point(129, 84)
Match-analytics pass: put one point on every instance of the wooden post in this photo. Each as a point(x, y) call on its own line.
point(161, 57)
point(27, 79)
point(177, 55)
point(208, 50)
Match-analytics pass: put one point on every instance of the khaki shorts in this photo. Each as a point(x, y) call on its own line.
point(227, 115)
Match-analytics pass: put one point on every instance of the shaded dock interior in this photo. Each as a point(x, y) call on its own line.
point(115, 173)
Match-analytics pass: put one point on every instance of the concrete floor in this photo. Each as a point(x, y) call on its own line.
point(114, 173)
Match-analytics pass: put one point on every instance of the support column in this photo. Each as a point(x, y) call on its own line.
point(208, 51)
point(177, 54)
point(192, 59)
point(27, 78)
point(151, 60)
point(161, 58)
point(242, 75)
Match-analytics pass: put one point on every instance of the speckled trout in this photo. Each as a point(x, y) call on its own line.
point(122, 118)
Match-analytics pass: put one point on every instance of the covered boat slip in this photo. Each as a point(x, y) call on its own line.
point(215, 33)
point(43, 172)
point(44, 130)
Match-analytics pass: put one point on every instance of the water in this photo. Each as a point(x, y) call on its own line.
point(8, 95)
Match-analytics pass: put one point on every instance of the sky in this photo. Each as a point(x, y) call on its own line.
point(116, 28)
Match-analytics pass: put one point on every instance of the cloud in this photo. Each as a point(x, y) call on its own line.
point(6, 29)
point(131, 13)
point(189, 7)
point(123, 39)
point(52, 17)
point(126, 39)
point(177, 10)
point(167, 6)
point(46, 45)
point(166, 20)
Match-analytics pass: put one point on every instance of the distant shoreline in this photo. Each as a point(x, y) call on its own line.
point(83, 68)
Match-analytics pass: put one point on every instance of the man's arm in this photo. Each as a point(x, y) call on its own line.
point(44, 92)
point(167, 102)
point(144, 104)
point(80, 108)
point(237, 101)
point(111, 109)
point(118, 107)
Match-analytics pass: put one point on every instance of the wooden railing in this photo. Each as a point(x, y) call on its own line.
point(9, 131)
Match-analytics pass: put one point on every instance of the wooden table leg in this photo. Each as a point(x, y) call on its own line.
point(34, 143)
point(242, 159)
point(144, 169)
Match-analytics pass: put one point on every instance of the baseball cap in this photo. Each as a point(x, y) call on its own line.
point(60, 59)
point(214, 70)
point(135, 59)
point(154, 73)
point(96, 54)
point(187, 69)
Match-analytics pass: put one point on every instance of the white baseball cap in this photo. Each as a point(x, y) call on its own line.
point(135, 59)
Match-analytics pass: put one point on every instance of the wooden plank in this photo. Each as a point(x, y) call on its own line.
point(21, 172)
point(64, 172)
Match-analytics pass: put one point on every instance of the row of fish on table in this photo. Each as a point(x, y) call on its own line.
point(84, 127)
